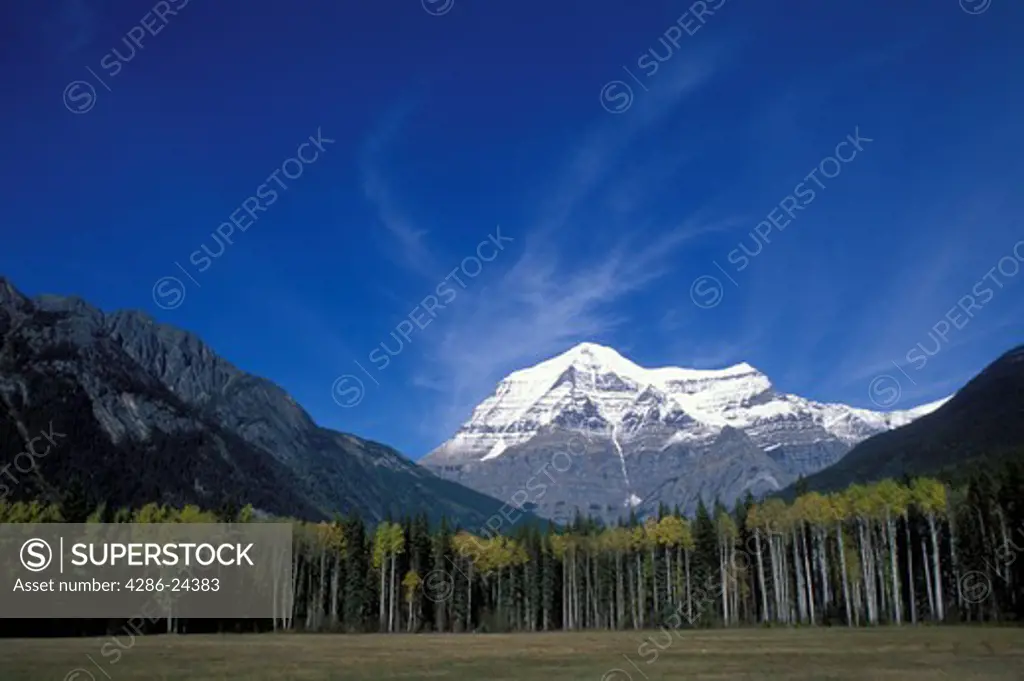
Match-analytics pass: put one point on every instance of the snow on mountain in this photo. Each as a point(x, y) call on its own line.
point(609, 392)
point(685, 433)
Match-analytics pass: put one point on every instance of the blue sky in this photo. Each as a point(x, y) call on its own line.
point(439, 121)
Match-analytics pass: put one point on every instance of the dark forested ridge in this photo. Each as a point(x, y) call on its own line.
point(142, 412)
point(887, 553)
point(984, 421)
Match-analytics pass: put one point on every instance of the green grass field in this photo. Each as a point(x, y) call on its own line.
point(905, 654)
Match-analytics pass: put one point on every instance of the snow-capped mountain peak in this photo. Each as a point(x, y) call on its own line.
point(591, 357)
point(653, 435)
point(593, 387)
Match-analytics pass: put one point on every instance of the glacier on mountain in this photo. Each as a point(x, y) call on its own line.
point(710, 433)
point(609, 392)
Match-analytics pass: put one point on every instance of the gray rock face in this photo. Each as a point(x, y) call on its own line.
point(631, 438)
point(154, 414)
point(560, 473)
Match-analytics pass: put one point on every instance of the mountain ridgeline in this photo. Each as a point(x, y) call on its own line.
point(981, 425)
point(649, 437)
point(120, 410)
point(117, 409)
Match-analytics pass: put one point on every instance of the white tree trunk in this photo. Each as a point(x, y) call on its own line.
point(393, 604)
point(383, 590)
point(725, 583)
point(936, 568)
point(801, 593)
point(928, 581)
point(641, 600)
point(897, 599)
point(809, 576)
point(867, 572)
point(910, 571)
point(689, 592)
point(760, 576)
point(842, 567)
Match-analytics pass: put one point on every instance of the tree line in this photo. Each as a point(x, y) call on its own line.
point(892, 552)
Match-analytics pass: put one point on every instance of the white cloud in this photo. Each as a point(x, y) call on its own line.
point(409, 240)
point(539, 307)
point(550, 299)
point(552, 296)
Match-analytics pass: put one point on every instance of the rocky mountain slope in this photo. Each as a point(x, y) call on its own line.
point(984, 421)
point(147, 412)
point(639, 437)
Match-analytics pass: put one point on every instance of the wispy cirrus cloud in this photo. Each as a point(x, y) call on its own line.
point(544, 303)
point(572, 267)
point(598, 153)
point(558, 293)
point(409, 240)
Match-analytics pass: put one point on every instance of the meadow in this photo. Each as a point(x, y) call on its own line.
point(899, 654)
